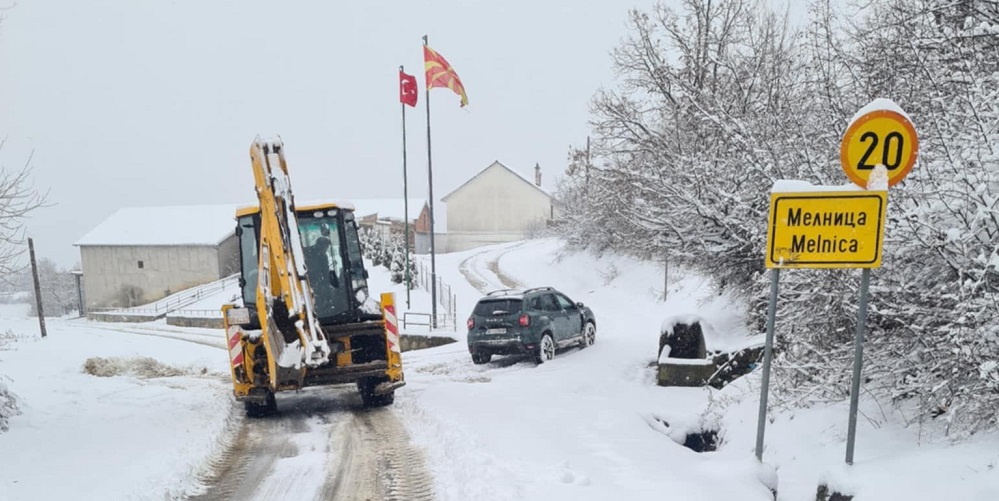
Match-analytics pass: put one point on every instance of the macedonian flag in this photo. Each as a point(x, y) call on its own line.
point(441, 74)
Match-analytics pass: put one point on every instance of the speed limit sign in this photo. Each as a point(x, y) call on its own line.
point(880, 136)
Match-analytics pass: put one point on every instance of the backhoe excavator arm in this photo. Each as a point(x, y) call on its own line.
point(284, 297)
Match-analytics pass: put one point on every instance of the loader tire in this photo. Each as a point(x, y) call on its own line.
point(268, 408)
point(365, 388)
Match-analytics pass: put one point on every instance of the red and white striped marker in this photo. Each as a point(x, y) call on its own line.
point(234, 333)
point(391, 322)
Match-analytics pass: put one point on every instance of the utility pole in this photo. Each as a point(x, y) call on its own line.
point(665, 278)
point(38, 286)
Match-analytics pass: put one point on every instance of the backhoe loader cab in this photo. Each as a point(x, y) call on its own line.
point(332, 256)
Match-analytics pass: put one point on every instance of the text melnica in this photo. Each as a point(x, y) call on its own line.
point(819, 244)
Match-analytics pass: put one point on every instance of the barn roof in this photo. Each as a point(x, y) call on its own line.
point(500, 164)
point(173, 225)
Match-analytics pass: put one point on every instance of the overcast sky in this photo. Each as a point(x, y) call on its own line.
point(134, 103)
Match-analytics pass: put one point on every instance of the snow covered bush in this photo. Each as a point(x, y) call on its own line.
point(8, 405)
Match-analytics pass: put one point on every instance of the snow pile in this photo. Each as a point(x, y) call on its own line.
point(139, 367)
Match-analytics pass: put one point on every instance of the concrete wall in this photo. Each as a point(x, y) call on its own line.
point(497, 201)
point(112, 277)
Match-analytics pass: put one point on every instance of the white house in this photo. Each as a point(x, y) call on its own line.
point(141, 254)
point(496, 205)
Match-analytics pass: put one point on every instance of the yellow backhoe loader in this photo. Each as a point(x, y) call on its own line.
point(306, 318)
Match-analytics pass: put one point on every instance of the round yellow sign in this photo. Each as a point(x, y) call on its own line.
point(879, 137)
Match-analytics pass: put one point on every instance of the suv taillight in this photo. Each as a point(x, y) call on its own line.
point(525, 320)
point(471, 323)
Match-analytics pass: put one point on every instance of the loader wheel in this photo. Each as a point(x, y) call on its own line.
point(268, 408)
point(366, 388)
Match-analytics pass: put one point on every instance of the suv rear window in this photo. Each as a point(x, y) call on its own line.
point(497, 307)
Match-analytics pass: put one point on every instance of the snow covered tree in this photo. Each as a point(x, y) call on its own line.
point(390, 253)
point(716, 103)
point(934, 324)
point(685, 150)
point(18, 199)
point(59, 294)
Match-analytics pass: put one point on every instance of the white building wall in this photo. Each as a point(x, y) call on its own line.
point(457, 242)
point(112, 277)
point(497, 202)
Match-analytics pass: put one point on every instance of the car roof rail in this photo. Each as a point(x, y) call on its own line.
point(500, 292)
point(533, 289)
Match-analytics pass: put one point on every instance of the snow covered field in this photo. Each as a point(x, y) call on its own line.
point(591, 424)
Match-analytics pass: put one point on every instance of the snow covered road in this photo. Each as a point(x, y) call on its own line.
point(322, 445)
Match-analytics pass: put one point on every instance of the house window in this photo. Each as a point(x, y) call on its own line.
point(140, 264)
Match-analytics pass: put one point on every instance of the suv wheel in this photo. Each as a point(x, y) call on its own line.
point(589, 335)
point(479, 358)
point(546, 349)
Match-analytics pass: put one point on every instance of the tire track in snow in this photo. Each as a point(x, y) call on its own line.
point(376, 441)
point(322, 444)
point(190, 337)
point(481, 270)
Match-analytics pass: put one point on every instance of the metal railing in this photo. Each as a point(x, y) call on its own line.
point(171, 303)
point(445, 322)
point(184, 312)
point(446, 298)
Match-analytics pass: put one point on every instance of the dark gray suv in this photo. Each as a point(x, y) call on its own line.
point(530, 322)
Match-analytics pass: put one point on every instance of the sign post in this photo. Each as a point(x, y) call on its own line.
point(881, 133)
point(818, 229)
point(840, 228)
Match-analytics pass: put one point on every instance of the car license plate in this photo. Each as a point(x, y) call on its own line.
point(501, 330)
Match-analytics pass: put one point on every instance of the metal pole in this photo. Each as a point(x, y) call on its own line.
point(405, 196)
point(79, 293)
point(38, 287)
point(858, 360)
point(768, 353)
point(430, 184)
point(665, 278)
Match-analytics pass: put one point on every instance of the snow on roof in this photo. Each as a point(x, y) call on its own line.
point(172, 225)
point(388, 208)
point(500, 164)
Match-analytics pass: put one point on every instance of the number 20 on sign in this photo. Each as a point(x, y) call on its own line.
point(879, 137)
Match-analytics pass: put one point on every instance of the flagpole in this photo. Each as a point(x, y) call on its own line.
point(405, 195)
point(430, 184)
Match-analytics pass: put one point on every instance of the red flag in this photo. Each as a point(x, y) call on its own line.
point(441, 74)
point(407, 89)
